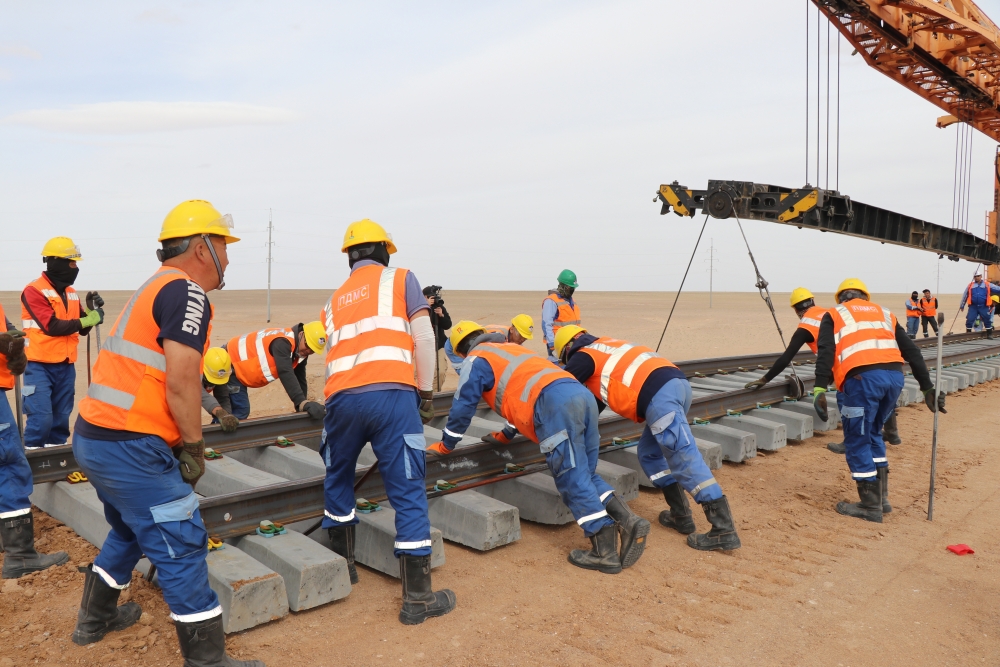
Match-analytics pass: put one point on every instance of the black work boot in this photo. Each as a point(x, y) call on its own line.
point(342, 542)
point(203, 644)
point(420, 600)
point(633, 527)
point(890, 432)
point(723, 534)
point(679, 515)
point(883, 481)
point(989, 334)
point(603, 557)
point(870, 507)
point(99, 611)
point(837, 447)
point(18, 537)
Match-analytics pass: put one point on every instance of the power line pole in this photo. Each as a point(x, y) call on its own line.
point(270, 243)
point(711, 269)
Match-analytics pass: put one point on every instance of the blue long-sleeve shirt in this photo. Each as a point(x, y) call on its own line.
point(979, 294)
point(475, 379)
point(549, 312)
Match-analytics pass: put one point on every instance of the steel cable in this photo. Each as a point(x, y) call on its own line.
point(678, 296)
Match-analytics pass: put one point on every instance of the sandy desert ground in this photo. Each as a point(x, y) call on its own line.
point(809, 587)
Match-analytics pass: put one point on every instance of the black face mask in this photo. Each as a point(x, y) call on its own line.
point(373, 251)
point(59, 272)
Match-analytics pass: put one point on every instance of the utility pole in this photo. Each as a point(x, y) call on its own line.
point(711, 269)
point(270, 243)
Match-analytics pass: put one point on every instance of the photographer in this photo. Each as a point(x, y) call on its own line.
point(440, 322)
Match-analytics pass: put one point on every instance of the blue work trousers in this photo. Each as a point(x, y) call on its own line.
point(239, 399)
point(865, 402)
point(152, 511)
point(48, 401)
point(566, 427)
point(15, 473)
point(667, 450)
point(912, 325)
point(982, 312)
point(390, 421)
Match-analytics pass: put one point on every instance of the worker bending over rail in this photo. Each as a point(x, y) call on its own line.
point(861, 350)
point(520, 329)
point(638, 384)
point(53, 320)
point(977, 297)
point(138, 439)
point(216, 369)
point(559, 309)
point(261, 357)
point(549, 407)
point(379, 336)
point(17, 526)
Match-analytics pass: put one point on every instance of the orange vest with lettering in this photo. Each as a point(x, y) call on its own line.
point(251, 354)
point(566, 314)
point(6, 377)
point(51, 349)
point(516, 389)
point(865, 335)
point(810, 321)
point(620, 369)
point(368, 337)
point(128, 391)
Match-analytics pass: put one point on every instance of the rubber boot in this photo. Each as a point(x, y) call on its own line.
point(870, 507)
point(18, 536)
point(603, 557)
point(342, 542)
point(99, 612)
point(203, 644)
point(632, 527)
point(679, 515)
point(723, 534)
point(420, 600)
point(837, 447)
point(883, 482)
point(989, 334)
point(890, 432)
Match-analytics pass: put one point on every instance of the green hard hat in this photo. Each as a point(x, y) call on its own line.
point(568, 278)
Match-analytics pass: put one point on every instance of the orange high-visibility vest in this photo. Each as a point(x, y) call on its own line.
point(620, 369)
point(368, 331)
point(929, 306)
point(6, 377)
point(865, 334)
point(51, 349)
point(128, 391)
point(566, 314)
point(914, 309)
point(519, 377)
point(968, 300)
point(810, 321)
point(497, 329)
point(251, 354)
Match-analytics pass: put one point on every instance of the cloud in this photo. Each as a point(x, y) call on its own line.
point(138, 117)
point(19, 50)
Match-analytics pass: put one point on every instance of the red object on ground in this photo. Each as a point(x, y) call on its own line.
point(960, 549)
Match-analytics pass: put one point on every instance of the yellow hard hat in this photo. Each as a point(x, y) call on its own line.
point(461, 331)
point(852, 283)
point(61, 246)
point(800, 294)
point(995, 298)
point(366, 231)
point(217, 366)
point(194, 217)
point(565, 335)
point(315, 336)
point(524, 325)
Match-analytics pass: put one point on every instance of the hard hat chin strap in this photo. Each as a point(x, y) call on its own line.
point(215, 258)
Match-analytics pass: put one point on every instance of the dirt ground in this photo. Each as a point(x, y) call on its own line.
point(808, 587)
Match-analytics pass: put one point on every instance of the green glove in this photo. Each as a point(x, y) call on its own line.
point(426, 406)
point(228, 422)
point(819, 403)
point(92, 318)
point(192, 460)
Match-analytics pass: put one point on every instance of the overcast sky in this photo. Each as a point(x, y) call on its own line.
point(497, 142)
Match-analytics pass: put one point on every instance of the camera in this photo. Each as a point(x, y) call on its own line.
point(433, 295)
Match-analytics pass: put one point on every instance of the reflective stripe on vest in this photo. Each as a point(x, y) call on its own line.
point(914, 309)
point(6, 377)
point(811, 321)
point(619, 388)
point(862, 342)
point(42, 347)
point(566, 314)
point(373, 343)
point(255, 366)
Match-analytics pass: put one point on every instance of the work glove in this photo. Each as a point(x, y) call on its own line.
point(92, 318)
point(426, 406)
point(315, 410)
point(228, 422)
point(929, 401)
point(94, 300)
point(756, 384)
point(819, 403)
point(12, 347)
point(438, 448)
point(192, 460)
point(497, 438)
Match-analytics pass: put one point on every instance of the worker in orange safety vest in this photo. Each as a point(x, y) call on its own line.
point(559, 309)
